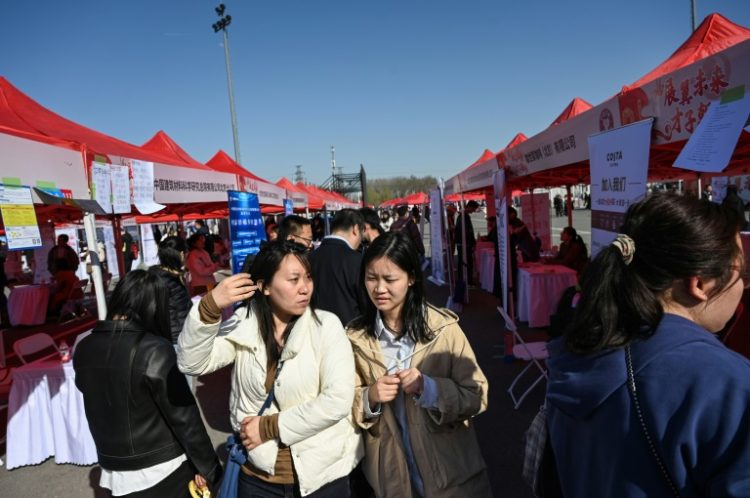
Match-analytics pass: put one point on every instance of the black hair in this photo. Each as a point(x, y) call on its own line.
point(292, 225)
point(142, 297)
point(575, 237)
point(402, 210)
point(170, 250)
point(676, 237)
point(64, 237)
point(194, 239)
point(472, 204)
point(346, 219)
point(263, 268)
point(400, 250)
point(371, 218)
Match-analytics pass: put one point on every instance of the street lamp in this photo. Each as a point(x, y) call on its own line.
point(221, 25)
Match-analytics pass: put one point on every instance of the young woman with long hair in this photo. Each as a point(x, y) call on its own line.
point(148, 431)
point(418, 383)
point(170, 270)
point(295, 360)
point(643, 399)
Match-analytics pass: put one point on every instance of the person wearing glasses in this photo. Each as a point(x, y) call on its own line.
point(297, 229)
point(294, 360)
point(643, 399)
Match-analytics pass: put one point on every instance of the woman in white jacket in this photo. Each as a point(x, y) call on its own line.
point(305, 443)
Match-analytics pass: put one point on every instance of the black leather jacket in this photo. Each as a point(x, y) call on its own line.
point(140, 418)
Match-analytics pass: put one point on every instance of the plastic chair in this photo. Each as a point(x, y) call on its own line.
point(533, 352)
point(79, 338)
point(33, 344)
point(74, 300)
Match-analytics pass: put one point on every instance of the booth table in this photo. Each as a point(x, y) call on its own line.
point(46, 417)
point(27, 304)
point(540, 288)
point(486, 259)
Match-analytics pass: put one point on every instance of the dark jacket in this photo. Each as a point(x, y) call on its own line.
point(573, 255)
point(694, 394)
point(179, 300)
point(142, 417)
point(471, 240)
point(335, 270)
point(62, 258)
point(412, 230)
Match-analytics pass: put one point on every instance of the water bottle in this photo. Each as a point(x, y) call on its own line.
point(64, 351)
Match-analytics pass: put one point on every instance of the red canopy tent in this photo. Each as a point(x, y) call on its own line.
point(314, 202)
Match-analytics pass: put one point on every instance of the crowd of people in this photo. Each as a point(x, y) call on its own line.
point(347, 382)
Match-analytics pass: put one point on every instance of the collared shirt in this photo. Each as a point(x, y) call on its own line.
point(397, 353)
point(339, 237)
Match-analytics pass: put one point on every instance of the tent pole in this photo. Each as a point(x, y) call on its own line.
point(569, 202)
point(89, 226)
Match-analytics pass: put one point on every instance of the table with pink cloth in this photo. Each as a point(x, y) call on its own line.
point(27, 304)
point(46, 417)
point(540, 288)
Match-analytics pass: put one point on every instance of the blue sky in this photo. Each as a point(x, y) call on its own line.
point(403, 86)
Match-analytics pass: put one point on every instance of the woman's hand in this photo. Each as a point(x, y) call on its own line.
point(250, 432)
point(412, 381)
point(383, 390)
point(233, 290)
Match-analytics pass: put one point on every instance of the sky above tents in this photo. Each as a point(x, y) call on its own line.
point(418, 87)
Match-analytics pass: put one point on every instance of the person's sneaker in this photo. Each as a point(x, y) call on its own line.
point(425, 264)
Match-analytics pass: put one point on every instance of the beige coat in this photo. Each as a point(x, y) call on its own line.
point(444, 443)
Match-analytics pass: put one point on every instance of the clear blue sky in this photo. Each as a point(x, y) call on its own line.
point(402, 86)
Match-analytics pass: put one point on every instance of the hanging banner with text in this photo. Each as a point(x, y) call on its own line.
point(246, 229)
point(619, 169)
point(501, 212)
point(120, 186)
point(437, 262)
point(19, 218)
point(143, 187)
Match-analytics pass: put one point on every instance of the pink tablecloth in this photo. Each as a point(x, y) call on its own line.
point(539, 290)
point(46, 417)
point(27, 304)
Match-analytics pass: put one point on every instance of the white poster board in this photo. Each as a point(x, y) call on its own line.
point(143, 187)
point(501, 212)
point(437, 263)
point(101, 185)
point(535, 213)
point(181, 185)
point(120, 186)
point(619, 168)
point(709, 149)
point(149, 246)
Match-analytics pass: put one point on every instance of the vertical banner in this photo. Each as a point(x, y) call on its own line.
point(619, 168)
point(288, 207)
point(109, 249)
point(535, 212)
point(143, 187)
point(19, 218)
point(120, 186)
point(436, 238)
point(246, 230)
point(501, 212)
point(101, 185)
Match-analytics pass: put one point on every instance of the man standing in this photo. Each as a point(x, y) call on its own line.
point(466, 256)
point(127, 249)
point(296, 228)
point(62, 263)
point(336, 265)
point(373, 228)
point(406, 223)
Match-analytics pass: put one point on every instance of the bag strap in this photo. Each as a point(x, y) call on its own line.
point(651, 445)
point(270, 398)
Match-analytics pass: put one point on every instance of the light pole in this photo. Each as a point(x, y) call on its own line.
point(221, 25)
point(692, 13)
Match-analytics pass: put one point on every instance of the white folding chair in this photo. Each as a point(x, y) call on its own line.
point(79, 338)
point(33, 344)
point(533, 352)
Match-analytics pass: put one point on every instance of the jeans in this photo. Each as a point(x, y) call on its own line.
point(252, 487)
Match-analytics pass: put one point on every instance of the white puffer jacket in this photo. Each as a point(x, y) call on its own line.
point(314, 389)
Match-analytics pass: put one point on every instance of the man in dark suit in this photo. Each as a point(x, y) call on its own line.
point(336, 265)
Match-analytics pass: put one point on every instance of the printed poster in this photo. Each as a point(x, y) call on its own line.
point(619, 168)
point(501, 212)
point(19, 218)
point(143, 187)
point(101, 185)
point(246, 228)
point(120, 184)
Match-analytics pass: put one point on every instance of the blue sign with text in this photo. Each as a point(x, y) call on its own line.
point(246, 229)
point(288, 207)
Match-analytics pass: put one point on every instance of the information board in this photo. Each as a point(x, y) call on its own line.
point(246, 230)
point(19, 218)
